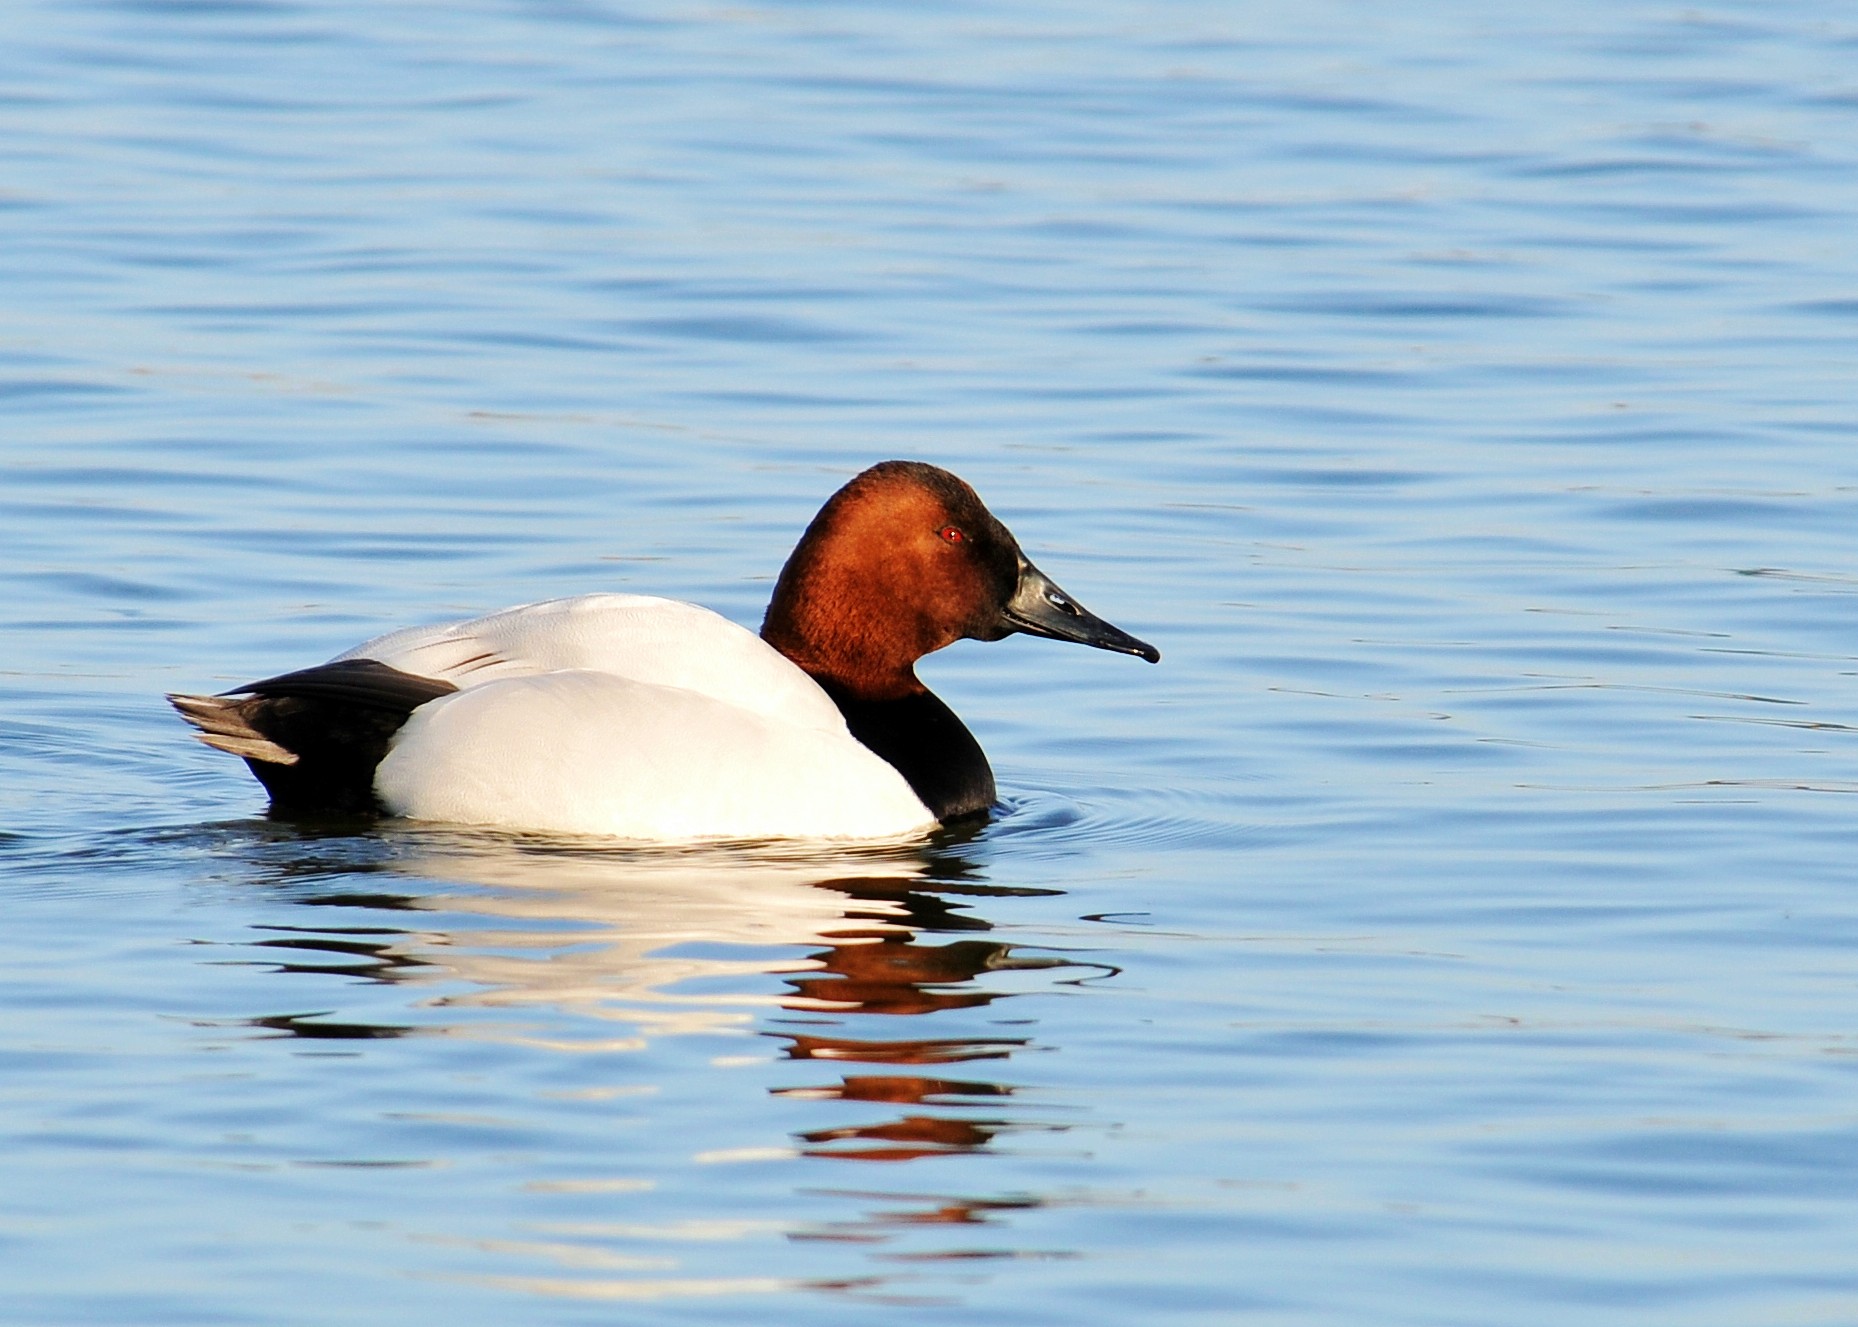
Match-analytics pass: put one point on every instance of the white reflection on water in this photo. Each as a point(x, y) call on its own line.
point(635, 937)
point(850, 979)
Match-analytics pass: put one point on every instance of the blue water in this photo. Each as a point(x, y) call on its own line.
point(1458, 927)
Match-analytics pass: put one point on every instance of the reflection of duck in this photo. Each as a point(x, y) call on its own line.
point(896, 975)
point(906, 1139)
point(657, 1013)
point(640, 945)
point(645, 718)
point(626, 936)
point(668, 943)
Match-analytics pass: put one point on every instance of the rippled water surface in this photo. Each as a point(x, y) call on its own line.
point(1459, 926)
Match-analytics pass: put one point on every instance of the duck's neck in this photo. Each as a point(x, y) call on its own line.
point(903, 722)
point(818, 622)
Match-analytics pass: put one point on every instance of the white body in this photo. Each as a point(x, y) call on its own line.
point(627, 715)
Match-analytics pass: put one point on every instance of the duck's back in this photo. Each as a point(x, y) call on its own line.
point(664, 642)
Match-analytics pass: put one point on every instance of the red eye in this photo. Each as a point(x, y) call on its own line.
point(950, 533)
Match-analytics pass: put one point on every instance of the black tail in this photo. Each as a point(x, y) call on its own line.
point(314, 737)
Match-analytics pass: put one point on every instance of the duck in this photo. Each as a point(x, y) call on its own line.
point(635, 717)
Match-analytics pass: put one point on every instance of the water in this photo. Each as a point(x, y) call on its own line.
point(1457, 927)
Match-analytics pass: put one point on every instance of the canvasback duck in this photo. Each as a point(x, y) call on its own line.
point(645, 718)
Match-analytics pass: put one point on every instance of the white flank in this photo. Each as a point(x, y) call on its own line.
point(631, 716)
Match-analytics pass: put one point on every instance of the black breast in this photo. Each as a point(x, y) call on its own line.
point(928, 745)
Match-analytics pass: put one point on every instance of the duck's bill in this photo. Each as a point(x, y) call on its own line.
point(1040, 608)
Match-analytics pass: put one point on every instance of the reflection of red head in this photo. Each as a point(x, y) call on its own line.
point(894, 975)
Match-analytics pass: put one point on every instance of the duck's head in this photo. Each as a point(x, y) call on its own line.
point(904, 560)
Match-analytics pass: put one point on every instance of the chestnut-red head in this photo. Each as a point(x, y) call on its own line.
point(900, 562)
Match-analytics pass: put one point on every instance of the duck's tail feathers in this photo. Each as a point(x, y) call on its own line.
point(223, 726)
point(314, 737)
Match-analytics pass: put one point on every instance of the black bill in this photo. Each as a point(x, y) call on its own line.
point(1040, 608)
